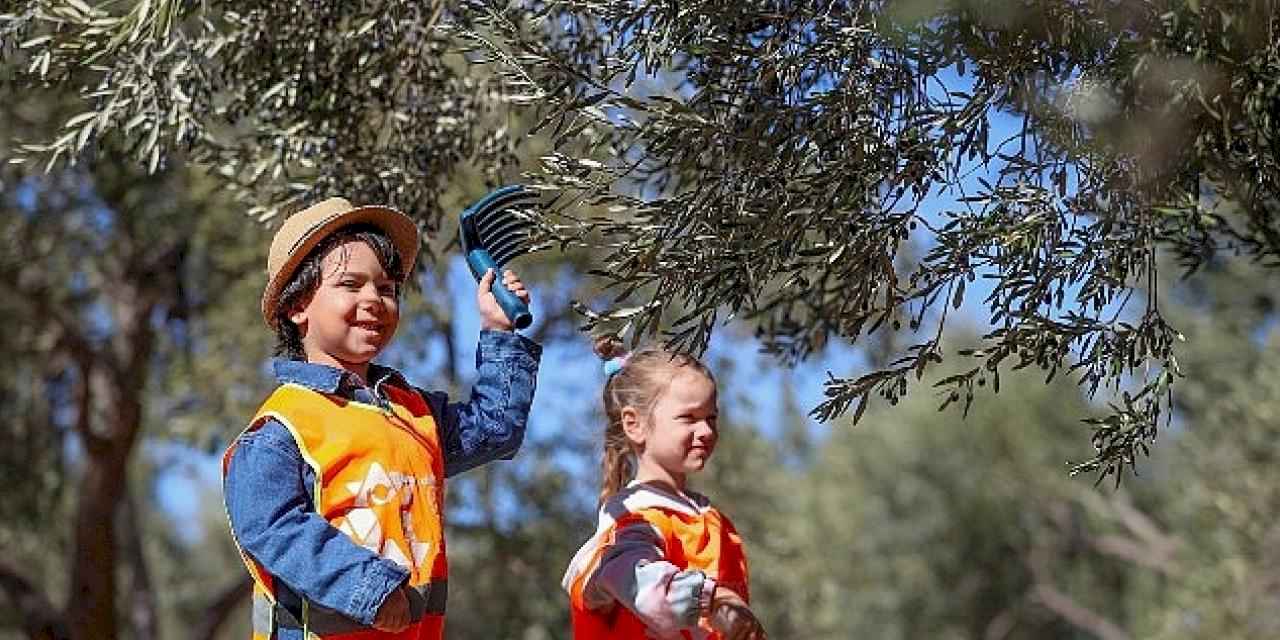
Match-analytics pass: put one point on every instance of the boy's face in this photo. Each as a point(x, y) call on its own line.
point(354, 311)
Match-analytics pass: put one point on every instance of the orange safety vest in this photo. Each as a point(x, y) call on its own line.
point(695, 536)
point(380, 480)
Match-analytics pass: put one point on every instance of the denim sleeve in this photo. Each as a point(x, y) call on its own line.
point(491, 424)
point(275, 523)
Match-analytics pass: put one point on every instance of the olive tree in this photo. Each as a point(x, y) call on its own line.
point(832, 169)
point(777, 162)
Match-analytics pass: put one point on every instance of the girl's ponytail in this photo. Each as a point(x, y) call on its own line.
point(617, 467)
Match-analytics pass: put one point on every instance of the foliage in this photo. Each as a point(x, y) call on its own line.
point(114, 274)
point(115, 280)
point(287, 102)
point(766, 160)
point(910, 528)
point(916, 527)
point(783, 162)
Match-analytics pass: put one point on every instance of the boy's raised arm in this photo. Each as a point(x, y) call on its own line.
point(491, 424)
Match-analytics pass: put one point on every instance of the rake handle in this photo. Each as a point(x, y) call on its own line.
point(517, 311)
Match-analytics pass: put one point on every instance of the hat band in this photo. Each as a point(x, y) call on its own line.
point(302, 239)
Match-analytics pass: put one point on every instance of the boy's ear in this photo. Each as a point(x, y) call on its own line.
point(298, 315)
point(632, 426)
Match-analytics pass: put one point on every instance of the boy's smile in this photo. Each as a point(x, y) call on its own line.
point(354, 311)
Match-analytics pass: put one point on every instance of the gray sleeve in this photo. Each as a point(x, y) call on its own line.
point(635, 573)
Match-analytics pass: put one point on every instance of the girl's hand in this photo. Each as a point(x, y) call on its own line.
point(491, 315)
point(393, 615)
point(731, 616)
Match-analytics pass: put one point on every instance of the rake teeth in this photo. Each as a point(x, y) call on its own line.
point(498, 199)
point(487, 218)
point(500, 228)
point(502, 203)
point(501, 223)
point(509, 248)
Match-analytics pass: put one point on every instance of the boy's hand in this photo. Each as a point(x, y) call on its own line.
point(731, 616)
point(491, 315)
point(393, 615)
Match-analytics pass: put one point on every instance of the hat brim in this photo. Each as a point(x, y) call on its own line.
point(398, 227)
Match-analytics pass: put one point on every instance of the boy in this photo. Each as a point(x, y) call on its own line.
point(335, 491)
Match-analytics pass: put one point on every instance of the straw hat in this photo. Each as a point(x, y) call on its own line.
point(302, 231)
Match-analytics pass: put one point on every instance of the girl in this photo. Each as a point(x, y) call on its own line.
point(663, 562)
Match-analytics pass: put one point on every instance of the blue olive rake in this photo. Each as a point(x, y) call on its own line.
point(493, 233)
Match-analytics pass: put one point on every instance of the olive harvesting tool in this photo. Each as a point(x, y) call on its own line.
point(494, 231)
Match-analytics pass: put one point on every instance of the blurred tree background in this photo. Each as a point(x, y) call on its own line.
point(828, 176)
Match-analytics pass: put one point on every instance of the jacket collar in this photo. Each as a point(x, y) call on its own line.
point(326, 379)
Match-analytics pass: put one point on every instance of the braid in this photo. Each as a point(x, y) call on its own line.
point(617, 468)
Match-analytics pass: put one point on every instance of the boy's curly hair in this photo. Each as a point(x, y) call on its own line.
point(307, 277)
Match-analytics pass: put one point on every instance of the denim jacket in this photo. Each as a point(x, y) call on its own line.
point(269, 489)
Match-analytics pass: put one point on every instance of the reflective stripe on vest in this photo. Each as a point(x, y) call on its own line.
point(695, 536)
point(424, 599)
point(379, 479)
point(263, 615)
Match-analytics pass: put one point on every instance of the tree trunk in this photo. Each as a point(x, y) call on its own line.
point(141, 596)
point(91, 611)
point(121, 377)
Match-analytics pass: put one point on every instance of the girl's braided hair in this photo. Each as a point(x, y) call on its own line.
point(643, 379)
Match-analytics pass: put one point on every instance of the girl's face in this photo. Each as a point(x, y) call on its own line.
point(353, 313)
point(679, 434)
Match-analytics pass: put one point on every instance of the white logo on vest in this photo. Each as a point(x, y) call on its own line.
point(380, 488)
